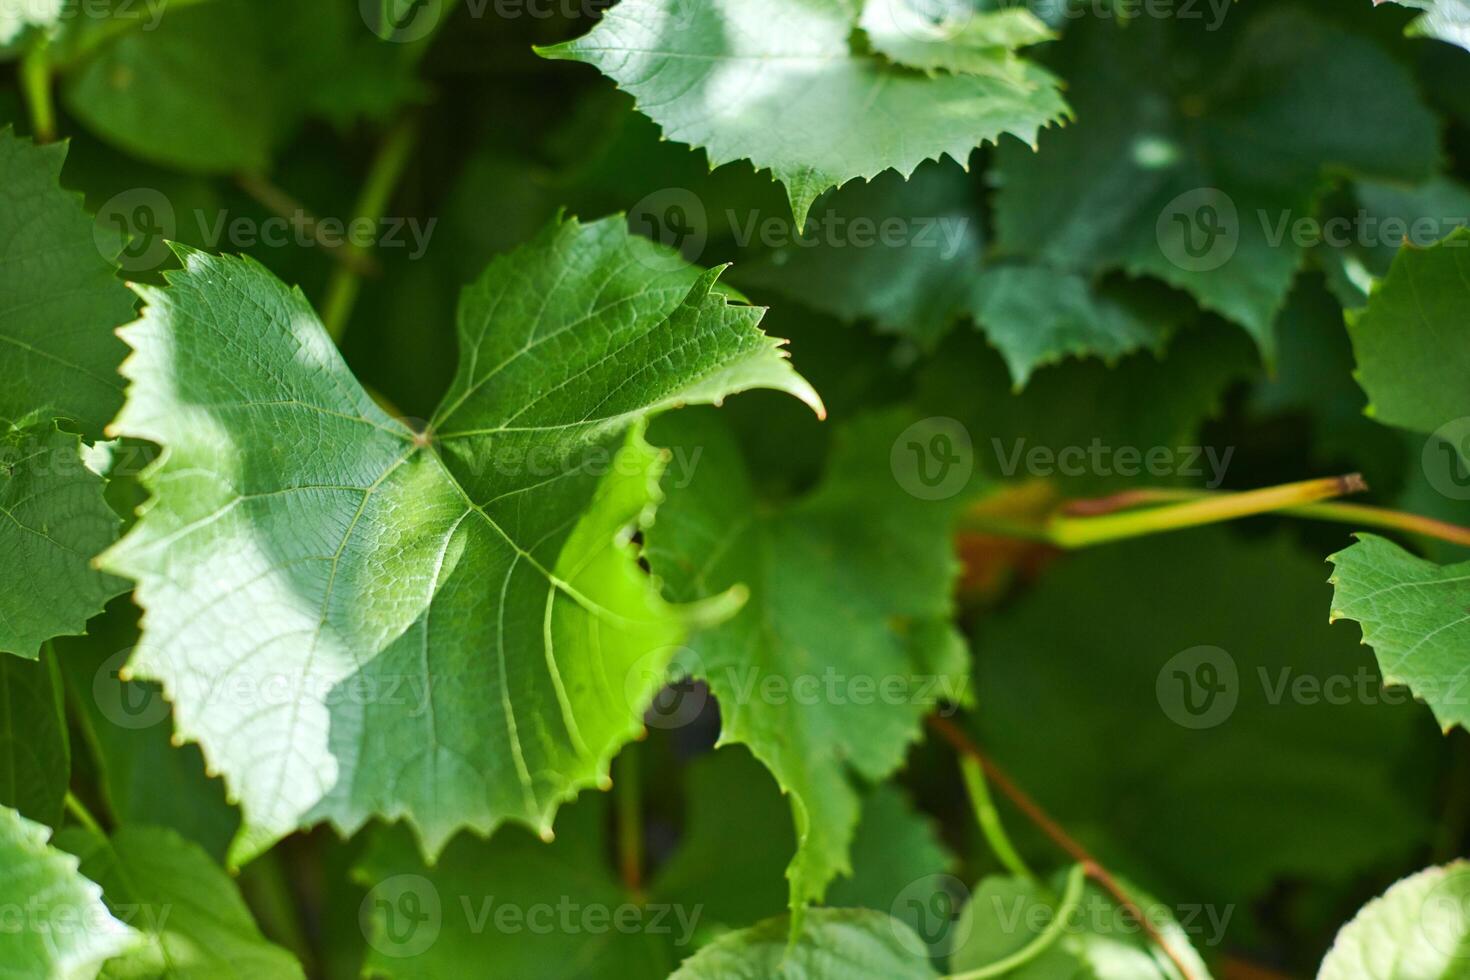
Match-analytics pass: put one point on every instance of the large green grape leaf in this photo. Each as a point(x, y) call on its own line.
point(62, 298)
point(196, 925)
point(1417, 930)
point(35, 753)
point(1416, 617)
point(61, 931)
point(329, 567)
point(55, 521)
point(1201, 148)
point(1008, 918)
point(1412, 341)
point(1444, 20)
point(1232, 749)
point(780, 83)
point(830, 944)
point(850, 594)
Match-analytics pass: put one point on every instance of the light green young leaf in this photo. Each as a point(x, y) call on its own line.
point(56, 523)
point(194, 922)
point(779, 83)
point(35, 753)
point(63, 300)
point(65, 932)
point(1444, 20)
point(1412, 341)
point(953, 35)
point(831, 944)
point(1417, 930)
point(313, 571)
point(1416, 617)
point(1201, 150)
point(850, 592)
point(1066, 929)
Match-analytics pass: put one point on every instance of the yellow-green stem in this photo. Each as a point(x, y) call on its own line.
point(1071, 898)
point(35, 79)
point(989, 819)
point(1071, 531)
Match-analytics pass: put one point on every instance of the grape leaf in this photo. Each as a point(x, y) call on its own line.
point(1417, 930)
point(895, 850)
point(1007, 916)
point(859, 551)
point(35, 754)
point(196, 925)
point(56, 332)
point(906, 255)
point(831, 944)
point(781, 84)
point(55, 522)
point(305, 548)
point(1444, 20)
point(1416, 617)
point(1410, 341)
point(1197, 156)
point(1266, 762)
point(62, 931)
point(953, 35)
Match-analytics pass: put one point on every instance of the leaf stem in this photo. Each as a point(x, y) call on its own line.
point(83, 816)
point(377, 192)
point(1071, 898)
point(989, 818)
point(35, 79)
point(627, 791)
point(1043, 821)
point(283, 205)
point(1363, 515)
point(1072, 531)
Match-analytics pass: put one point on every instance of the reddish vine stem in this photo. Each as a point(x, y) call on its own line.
point(1032, 810)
